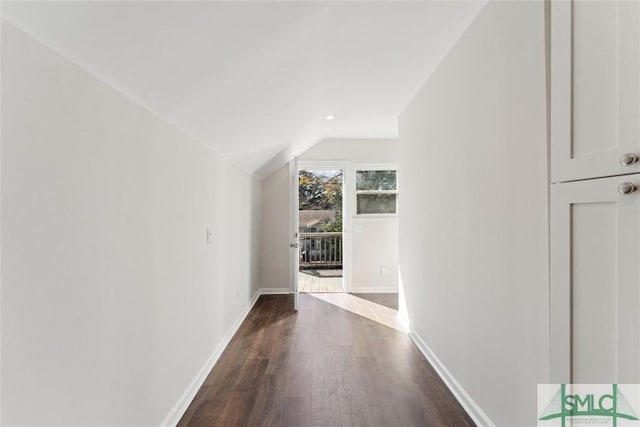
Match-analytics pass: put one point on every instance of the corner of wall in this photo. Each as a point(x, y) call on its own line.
point(179, 408)
point(468, 404)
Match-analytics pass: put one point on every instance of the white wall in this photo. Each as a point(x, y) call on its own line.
point(354, 150)
point(473, 235)
point(375, 240)
point(374, 254)
point(112, 301)
point(274, 237)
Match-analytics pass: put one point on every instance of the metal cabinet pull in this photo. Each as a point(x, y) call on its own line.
point(626, 188)
point(628, 159)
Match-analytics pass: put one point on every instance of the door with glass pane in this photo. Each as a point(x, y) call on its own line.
point(320, 215)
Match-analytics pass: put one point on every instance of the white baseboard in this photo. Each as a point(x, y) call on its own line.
point(468, 404)
point(362, 290)
point(274, 291)
point(178, 410)
point(374, 290)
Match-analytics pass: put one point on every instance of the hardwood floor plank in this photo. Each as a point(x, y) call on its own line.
point(308, 281)
point(250, 375)
point(299, 378)
point(387, 299)
point(205, 409)
point(265, 411)
point(321, 366)
point(237, 409)
point(355, 410)
point(296, 411)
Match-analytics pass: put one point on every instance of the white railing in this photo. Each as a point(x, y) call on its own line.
point(320, 250)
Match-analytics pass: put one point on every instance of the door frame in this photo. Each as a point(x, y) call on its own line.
point(293, 240)
point(295, 166)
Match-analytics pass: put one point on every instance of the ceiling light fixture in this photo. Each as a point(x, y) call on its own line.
point(329, 117)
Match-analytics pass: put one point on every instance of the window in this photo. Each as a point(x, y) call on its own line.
point(376, 192)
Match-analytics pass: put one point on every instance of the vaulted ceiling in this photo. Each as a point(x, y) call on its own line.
point(255, 80)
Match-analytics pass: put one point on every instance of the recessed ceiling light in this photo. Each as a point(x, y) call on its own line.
point(329, 117)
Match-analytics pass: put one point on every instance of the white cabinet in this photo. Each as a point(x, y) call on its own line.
point(595, 281)
point(595, 88)
point(594, 229)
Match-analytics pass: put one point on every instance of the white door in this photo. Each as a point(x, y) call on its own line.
point(595, 88)
point(322, 250)
point(595, 281)
point(294, 241)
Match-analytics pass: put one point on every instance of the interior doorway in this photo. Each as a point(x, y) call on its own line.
point(321, 215)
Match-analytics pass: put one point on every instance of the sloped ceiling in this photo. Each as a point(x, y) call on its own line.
point(254, 80)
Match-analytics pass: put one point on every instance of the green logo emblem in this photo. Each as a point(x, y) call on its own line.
point(566, 404)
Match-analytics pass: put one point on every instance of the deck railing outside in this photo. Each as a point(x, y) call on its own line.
point(320, 250)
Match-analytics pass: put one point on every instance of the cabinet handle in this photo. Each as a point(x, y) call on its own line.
point(626, 188)
point(628, 159)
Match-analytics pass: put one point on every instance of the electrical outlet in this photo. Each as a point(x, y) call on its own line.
point(383, 271)
point(209, 235)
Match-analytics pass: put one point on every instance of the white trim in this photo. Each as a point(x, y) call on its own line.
point(323, 164)
point(1, 377)
point(375, 167)
point(380, 166)
point(374, 290)
point(347, 209)
point(180, 407)
point(375, 191)
point(374, 216)
point(274, 291)
point(293, 231)
point(468, 404)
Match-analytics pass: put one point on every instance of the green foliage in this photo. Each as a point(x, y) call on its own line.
point(335, 225)
point(320, 191)
point(376, 180)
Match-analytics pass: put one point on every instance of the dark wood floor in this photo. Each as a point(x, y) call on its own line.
point(321, 366)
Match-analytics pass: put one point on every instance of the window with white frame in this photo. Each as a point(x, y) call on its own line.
point(376, 191)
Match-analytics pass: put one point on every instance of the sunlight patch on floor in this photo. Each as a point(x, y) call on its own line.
point(372, 311)
point(315, 283)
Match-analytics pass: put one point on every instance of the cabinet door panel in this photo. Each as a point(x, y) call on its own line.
point(595, 282)
point(594, 246)
point(595, 88)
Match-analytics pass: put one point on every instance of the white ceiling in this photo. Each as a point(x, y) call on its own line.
point(255, 79)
